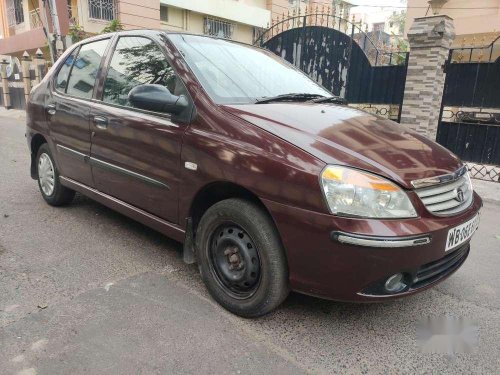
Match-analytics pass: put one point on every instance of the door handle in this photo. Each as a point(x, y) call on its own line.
point(51, 109)
point(101, 122)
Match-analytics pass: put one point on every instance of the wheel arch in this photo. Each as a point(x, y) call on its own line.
point(217, 191)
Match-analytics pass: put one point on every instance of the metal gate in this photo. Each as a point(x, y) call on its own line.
point(343, 58)
point(469, 123)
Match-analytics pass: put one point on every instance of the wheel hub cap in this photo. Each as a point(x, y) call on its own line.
point(46, 174)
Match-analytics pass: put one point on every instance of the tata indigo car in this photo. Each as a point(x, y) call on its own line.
point(268, 181)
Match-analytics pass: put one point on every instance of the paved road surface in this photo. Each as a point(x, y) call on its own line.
point(119, 300)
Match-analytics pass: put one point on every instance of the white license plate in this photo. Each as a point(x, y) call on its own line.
point(461, 233)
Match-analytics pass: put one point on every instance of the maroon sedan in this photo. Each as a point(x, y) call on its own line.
point(271, 183)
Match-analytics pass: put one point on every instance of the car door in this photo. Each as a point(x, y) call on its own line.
point(68, 109)
point(135, 154)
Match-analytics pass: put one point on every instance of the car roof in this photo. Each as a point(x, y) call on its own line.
point(153, 32)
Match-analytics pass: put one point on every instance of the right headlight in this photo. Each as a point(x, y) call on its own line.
point(351, 192)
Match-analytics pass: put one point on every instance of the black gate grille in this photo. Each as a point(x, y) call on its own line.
point(469, 124)
point(343, 58)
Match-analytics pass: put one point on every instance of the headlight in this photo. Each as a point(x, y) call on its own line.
point(351, 192)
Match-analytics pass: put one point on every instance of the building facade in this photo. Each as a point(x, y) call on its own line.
point(26, 25)
point(29, 25)
point(237, 20)
point(477, 22)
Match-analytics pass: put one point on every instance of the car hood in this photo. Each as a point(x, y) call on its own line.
point(342, 135)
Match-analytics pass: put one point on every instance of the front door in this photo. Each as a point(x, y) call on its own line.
point(68, 110)
point(135, 154)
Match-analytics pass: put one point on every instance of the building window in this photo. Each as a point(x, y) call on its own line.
point(163, 13)
point(15, 13)
point(102, 10)
point(218, 28)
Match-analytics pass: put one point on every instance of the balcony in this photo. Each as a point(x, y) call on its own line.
point(34, 19)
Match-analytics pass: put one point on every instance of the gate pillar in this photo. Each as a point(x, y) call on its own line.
point(430, 40)
point(5, 84)
point(25, 70)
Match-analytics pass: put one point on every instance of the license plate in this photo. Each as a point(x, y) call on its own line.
point(461, 233)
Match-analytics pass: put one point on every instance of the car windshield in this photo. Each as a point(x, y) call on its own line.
point(234, 73)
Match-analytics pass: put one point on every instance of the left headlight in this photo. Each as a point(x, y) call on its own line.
point(351, 192)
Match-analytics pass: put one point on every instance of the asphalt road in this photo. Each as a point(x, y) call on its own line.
point(84, 290)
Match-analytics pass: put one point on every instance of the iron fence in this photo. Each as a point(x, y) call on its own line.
point(339, 55)
point(469, 123)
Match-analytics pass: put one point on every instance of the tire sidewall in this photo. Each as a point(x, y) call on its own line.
point(273, 273)
point(44, 149)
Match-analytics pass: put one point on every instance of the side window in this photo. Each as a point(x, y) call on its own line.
point(137, 61)
point(62, 75)
point(84, 73)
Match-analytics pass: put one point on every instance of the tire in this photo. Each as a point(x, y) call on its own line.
point(49, 184)
point(241, 259)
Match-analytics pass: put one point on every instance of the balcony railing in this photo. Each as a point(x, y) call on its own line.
point(34, 17)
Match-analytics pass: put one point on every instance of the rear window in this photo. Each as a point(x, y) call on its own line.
point(63, 74)
point(85, 69)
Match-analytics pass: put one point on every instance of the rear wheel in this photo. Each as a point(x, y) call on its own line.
point(52, 191)
point(241, 258)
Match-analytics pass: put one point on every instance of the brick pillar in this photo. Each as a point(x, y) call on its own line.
point(430, 41)
point(5, 84)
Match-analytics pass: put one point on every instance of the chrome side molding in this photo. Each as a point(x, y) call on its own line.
point(111, 167)
point(382, 242)
point(437, 180)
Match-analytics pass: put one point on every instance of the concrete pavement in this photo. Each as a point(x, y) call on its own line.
point(86, 290)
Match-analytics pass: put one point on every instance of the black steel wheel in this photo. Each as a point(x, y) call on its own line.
point(234, 260)
point(241, 259)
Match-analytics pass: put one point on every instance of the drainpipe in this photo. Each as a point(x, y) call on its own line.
point(45, 24)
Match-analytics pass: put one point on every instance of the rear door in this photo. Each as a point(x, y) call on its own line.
point(135, 154)
point(68, 109)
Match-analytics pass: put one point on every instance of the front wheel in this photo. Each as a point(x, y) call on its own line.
point(52, 191)
point(241, 259)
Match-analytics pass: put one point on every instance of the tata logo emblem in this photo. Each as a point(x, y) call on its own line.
point(460, 195)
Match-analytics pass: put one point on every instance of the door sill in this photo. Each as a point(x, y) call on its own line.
point(165, 227)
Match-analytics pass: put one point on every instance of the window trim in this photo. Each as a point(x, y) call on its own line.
point(99, 70)
point(104, 75)
point(59, 68)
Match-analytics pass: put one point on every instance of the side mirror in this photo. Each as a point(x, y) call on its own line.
point(157, 98)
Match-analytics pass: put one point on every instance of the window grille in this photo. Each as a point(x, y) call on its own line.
point(15, 13)
point(218, 28)
point(102, 9)
point(164, 13)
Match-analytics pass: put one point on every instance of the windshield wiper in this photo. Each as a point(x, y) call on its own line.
point(330, 99)
point(297, 97)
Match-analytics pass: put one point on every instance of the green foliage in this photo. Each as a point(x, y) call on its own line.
point(402, 45)
point(77, 33)
point(114, 25)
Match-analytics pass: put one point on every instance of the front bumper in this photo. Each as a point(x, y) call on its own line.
point(321, 265)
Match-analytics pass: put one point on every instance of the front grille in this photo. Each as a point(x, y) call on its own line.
point(444, 199)
point(433, 271)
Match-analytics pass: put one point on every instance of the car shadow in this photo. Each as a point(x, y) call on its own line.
point(296, 303)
